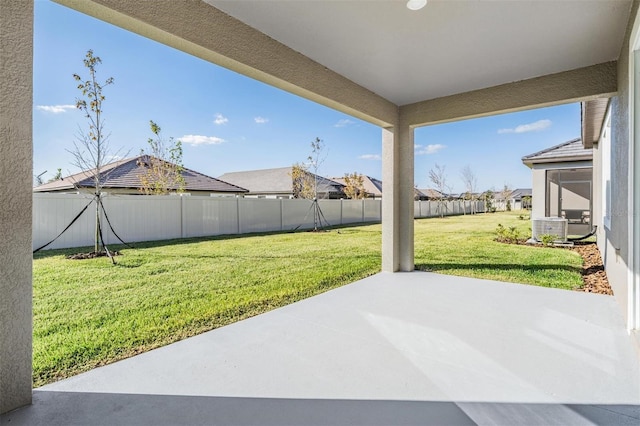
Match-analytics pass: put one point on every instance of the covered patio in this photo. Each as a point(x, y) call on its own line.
point(411, 348)
point(401, 348)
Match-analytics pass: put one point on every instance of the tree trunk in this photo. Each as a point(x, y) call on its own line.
point(96, 246)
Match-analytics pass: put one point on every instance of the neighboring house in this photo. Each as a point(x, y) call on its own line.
point(517, 199)
point(124, 177)
point(372, 186)
point(562, 184)
point(277, 183)
point(521, 198)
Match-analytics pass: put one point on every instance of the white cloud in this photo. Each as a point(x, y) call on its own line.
point(261, 120)
point(220, 119)
point(55, 109)
point(429, 149)
point(344, 123)
point(196, 140)
point(370, 157)
point(531, 127)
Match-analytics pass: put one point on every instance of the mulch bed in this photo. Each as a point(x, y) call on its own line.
point(594, 276)
point(91, 255)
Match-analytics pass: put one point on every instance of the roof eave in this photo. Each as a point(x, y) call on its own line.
point(593, 113)
point(558, 160)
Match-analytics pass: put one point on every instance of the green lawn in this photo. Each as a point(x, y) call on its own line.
point(88, 312)
point(464, 246)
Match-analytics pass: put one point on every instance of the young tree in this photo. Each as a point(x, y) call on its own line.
point(303, 184)
point(504, 195)
point(305, 179)
point(354, 186)
point(315, 160)
point(487, 198)
point(438, 178)
point(91, 147)
point(163, 166)
point(470, 182)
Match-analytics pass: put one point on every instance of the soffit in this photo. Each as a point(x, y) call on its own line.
point(448, 47)
point(593, 114)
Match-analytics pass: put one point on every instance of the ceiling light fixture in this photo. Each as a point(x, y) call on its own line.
point(416, 4)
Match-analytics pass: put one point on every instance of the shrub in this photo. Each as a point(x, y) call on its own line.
point(509, 235)
point(547, 239)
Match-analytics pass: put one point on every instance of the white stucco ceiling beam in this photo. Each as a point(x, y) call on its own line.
point(202, 30)
point(583, 84)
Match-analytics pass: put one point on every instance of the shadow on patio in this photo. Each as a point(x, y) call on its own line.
point(75, 408)
point(411, 348)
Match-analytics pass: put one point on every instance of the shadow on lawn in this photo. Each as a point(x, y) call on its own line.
point(435, 267)
point(177, 241)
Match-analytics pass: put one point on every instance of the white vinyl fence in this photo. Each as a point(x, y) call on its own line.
point(148, 218)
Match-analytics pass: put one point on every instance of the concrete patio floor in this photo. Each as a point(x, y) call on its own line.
point(410, 348)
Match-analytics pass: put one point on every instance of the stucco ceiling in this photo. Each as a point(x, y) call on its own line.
point(445, 48)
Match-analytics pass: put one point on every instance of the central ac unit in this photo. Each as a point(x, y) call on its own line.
point(550, 226)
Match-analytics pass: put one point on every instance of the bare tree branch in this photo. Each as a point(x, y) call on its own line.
point(438, 177)
point(470, 185)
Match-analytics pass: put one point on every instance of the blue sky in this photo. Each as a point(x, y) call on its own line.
point(228, 122)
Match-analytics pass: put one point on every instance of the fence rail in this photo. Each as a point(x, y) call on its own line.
point(147, 218)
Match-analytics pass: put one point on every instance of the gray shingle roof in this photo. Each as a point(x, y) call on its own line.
point(521, 192)
point(430, 193)
point(567, 151)
point(371, 185)
point(275, 181)
point(126, 174)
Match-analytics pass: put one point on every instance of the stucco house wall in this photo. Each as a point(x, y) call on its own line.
point(538, 192)
point(16, 158)
point(615, 263)
point(614, 242)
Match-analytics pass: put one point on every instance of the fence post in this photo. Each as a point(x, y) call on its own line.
point(341, 211)
point(363, 210)
point(281, 215)
point(238, 214)
point(182, 221)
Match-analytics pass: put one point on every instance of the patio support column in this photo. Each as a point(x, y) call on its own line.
point(397, 199)
point(16, 87)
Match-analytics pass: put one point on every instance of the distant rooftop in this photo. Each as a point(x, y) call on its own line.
point(275, 181)
point(567, 151)
point(372, 186)
point(126, 174)
point(521, 192)
point(429, 193)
